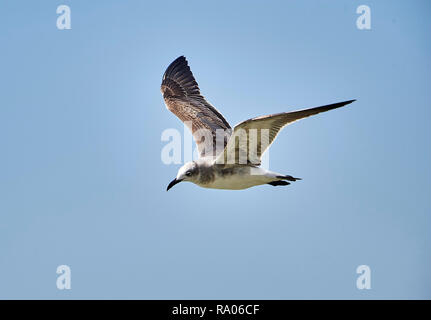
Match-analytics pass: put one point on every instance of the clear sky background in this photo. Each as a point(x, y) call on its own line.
point(83, 184)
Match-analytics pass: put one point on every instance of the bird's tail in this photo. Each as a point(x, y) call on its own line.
point(289, 178)
point(282, 180)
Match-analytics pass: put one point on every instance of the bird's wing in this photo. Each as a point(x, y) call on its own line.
point(252, 137)
point(182, 96)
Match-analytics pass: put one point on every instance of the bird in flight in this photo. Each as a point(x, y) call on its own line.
point(228, 159)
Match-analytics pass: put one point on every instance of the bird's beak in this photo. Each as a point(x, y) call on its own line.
point(173, 182)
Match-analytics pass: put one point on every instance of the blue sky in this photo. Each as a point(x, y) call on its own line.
point(82, 182)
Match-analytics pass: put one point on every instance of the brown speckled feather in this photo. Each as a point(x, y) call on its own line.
point(182, 97)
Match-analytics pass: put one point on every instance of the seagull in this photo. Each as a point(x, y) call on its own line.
point(228, 159)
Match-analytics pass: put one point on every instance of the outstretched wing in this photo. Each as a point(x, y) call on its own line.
point(252, 137)
point(182, 96)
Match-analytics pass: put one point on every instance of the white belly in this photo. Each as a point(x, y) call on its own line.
point(243, 179)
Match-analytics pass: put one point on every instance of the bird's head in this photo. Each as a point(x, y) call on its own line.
point(187, 172)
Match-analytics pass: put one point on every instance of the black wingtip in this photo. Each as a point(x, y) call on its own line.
point(332, 106)
point(178, 79)
point(180, 58)
point(349, 101)
point(180, 62)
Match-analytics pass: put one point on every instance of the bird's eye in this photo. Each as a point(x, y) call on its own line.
point(188, 173)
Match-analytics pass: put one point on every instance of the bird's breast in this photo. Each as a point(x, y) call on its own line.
point(232, 178)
